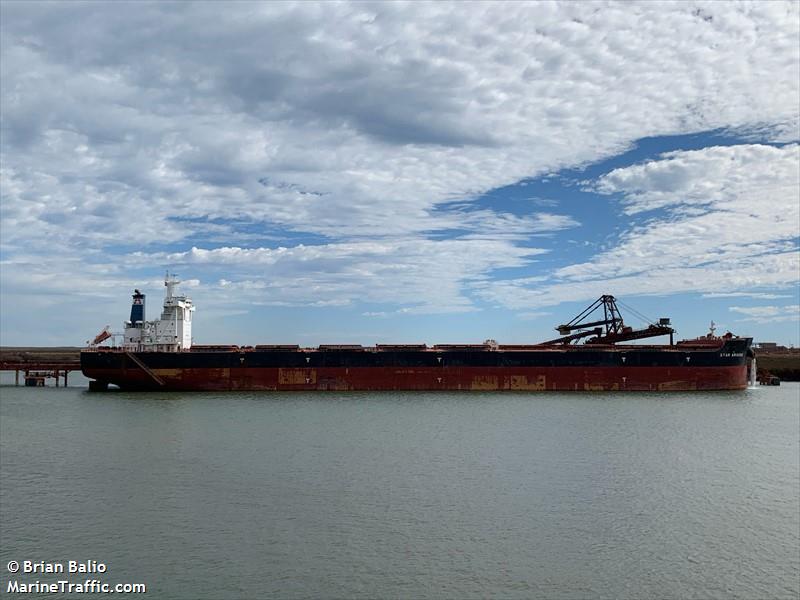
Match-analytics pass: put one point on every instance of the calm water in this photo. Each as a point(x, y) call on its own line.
point(408, 495)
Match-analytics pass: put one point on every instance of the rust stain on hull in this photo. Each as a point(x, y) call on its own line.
point(536, 383)
point(296, 376)
point(425, 379)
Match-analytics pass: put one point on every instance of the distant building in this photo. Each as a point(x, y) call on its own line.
point(770, 347)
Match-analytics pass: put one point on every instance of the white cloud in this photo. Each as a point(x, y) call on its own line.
point(127, 128)
point(760, 295)
point(748, 198)
point(742, 238)
point(768, 314)
point(115, 115)
point(711, 178)
point(424, 275)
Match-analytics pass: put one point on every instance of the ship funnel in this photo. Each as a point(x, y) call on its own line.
point(137, 308)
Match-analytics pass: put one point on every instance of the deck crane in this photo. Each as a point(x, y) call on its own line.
point(101, 337)
point(608, 330)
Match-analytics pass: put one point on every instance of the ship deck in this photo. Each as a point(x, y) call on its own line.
point(682, 346)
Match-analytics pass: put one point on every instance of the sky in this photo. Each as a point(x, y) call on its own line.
point(399, 172)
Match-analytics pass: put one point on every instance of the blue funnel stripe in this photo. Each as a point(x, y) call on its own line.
point(137, 308)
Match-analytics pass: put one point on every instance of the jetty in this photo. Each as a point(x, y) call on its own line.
point(38, 364)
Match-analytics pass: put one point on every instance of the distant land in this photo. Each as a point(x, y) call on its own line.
point(779, 361)
point(784, 364)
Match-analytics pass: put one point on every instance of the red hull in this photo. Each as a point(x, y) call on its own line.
point(435, 379)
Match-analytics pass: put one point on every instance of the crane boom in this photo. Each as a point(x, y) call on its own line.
point(608, 330)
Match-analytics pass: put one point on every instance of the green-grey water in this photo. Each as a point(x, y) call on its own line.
point(407, 495)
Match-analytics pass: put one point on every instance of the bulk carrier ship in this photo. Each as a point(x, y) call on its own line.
point(589, 354)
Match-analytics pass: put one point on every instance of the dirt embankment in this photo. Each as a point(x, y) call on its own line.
point(783, 365)
point(19, 354)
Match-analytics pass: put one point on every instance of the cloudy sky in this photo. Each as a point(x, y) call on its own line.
point(373, 172)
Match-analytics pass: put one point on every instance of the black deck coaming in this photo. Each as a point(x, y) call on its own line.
point(733, 353)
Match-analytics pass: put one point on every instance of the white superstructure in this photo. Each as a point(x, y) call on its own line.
point(171, 333)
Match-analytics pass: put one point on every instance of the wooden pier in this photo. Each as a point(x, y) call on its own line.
point(37, 365)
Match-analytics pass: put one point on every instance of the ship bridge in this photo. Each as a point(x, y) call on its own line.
point(171, 333)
